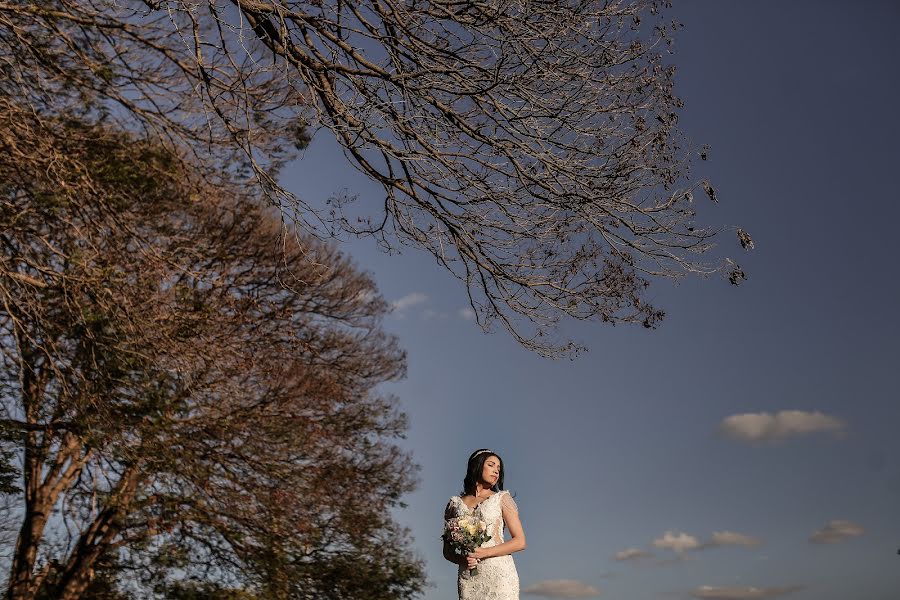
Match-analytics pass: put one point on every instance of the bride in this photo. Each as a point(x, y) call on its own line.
point(483, 493)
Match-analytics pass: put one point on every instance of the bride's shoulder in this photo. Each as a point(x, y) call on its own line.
point(450, 509)
point(507, 501)
point(454, 500)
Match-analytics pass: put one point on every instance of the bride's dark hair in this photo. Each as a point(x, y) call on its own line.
point(474, 468)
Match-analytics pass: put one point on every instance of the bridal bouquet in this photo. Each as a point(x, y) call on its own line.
point(464, 534)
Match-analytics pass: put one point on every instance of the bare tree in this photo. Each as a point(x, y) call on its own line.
point(187, 398)
point(531, 147)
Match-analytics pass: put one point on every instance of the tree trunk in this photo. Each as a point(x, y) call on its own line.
point(21, 582)
point(40, 497)
point(97, 537)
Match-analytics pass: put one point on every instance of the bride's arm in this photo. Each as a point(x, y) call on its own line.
point(517, 534)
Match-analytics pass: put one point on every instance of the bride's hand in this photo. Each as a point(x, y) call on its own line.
point(479, 553)
point(471, 562)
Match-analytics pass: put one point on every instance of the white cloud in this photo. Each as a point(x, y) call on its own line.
point(429, 314)
point(562, 588)
point(679, 542)
point(408, 301)
point(707, 592)
point(467, 313)
point(836, 531)
point(731, 538)
point(766, 427)
point(632, 554)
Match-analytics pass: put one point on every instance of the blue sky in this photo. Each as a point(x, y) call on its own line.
point(623, 450)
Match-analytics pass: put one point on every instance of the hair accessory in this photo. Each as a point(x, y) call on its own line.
point(482, 452)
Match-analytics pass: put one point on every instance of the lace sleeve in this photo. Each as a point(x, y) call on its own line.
point(450, 510)
point(508, 503)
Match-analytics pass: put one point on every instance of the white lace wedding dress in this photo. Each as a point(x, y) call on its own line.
point(497, 578)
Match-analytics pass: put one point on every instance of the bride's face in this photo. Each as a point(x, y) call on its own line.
point(490, 473)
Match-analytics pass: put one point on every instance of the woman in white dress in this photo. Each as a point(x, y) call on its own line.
point(483, 492)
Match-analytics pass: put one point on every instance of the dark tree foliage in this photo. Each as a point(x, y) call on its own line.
point(191, 395)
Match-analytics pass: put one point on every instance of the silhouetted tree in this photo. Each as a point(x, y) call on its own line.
point(191, 395)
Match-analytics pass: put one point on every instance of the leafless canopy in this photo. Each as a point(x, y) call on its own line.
point(531, 147)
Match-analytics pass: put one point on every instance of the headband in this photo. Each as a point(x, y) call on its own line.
point(481, 452)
